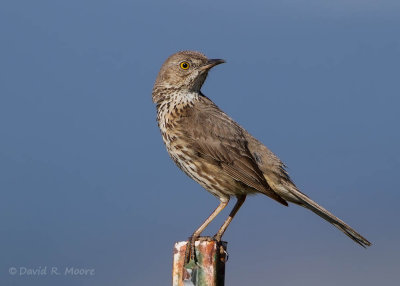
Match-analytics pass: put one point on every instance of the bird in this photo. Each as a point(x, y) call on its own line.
point(218, 153)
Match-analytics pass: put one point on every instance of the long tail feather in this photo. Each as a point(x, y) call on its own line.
point(341, 225)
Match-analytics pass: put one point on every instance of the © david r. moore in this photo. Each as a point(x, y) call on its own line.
point(51, 270)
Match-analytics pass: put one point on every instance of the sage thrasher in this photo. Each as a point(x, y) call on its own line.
point(217, 152)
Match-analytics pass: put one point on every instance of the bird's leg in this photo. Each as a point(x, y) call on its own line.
point(190, 253)
point(239, 203)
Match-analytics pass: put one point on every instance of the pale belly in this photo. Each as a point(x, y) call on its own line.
point(209, 176)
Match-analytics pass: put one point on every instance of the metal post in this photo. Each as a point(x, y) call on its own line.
point(209, 268)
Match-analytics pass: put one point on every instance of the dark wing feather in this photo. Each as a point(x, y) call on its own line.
point(217, 137)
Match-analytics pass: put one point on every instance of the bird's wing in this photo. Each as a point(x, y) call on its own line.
point(217, 138)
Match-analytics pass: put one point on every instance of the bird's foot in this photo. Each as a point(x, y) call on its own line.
point(217, 237)
point(206, 238)
point(190, 253)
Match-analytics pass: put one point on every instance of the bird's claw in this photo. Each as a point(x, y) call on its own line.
point(217, 238)
point(190, 253)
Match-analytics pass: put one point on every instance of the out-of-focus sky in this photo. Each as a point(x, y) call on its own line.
point(86, 182)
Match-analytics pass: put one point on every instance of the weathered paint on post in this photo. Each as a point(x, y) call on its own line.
point(209, 270)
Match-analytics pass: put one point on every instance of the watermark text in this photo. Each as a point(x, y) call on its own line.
point(51, 271)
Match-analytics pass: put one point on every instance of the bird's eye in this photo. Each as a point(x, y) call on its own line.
point(184, 65)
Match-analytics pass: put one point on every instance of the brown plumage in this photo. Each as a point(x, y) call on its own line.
point(217, 152)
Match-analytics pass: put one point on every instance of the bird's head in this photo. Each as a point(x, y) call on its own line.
point(185, 71)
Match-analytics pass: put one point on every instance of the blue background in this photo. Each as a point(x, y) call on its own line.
point(86, 182)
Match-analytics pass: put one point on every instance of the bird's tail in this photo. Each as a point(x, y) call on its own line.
point(317, 209)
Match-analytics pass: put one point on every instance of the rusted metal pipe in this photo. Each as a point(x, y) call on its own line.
point(207, 270)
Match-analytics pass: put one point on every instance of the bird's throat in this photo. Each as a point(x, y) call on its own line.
point(174, 106)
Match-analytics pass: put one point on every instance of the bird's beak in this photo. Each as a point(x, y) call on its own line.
point(212, 63)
